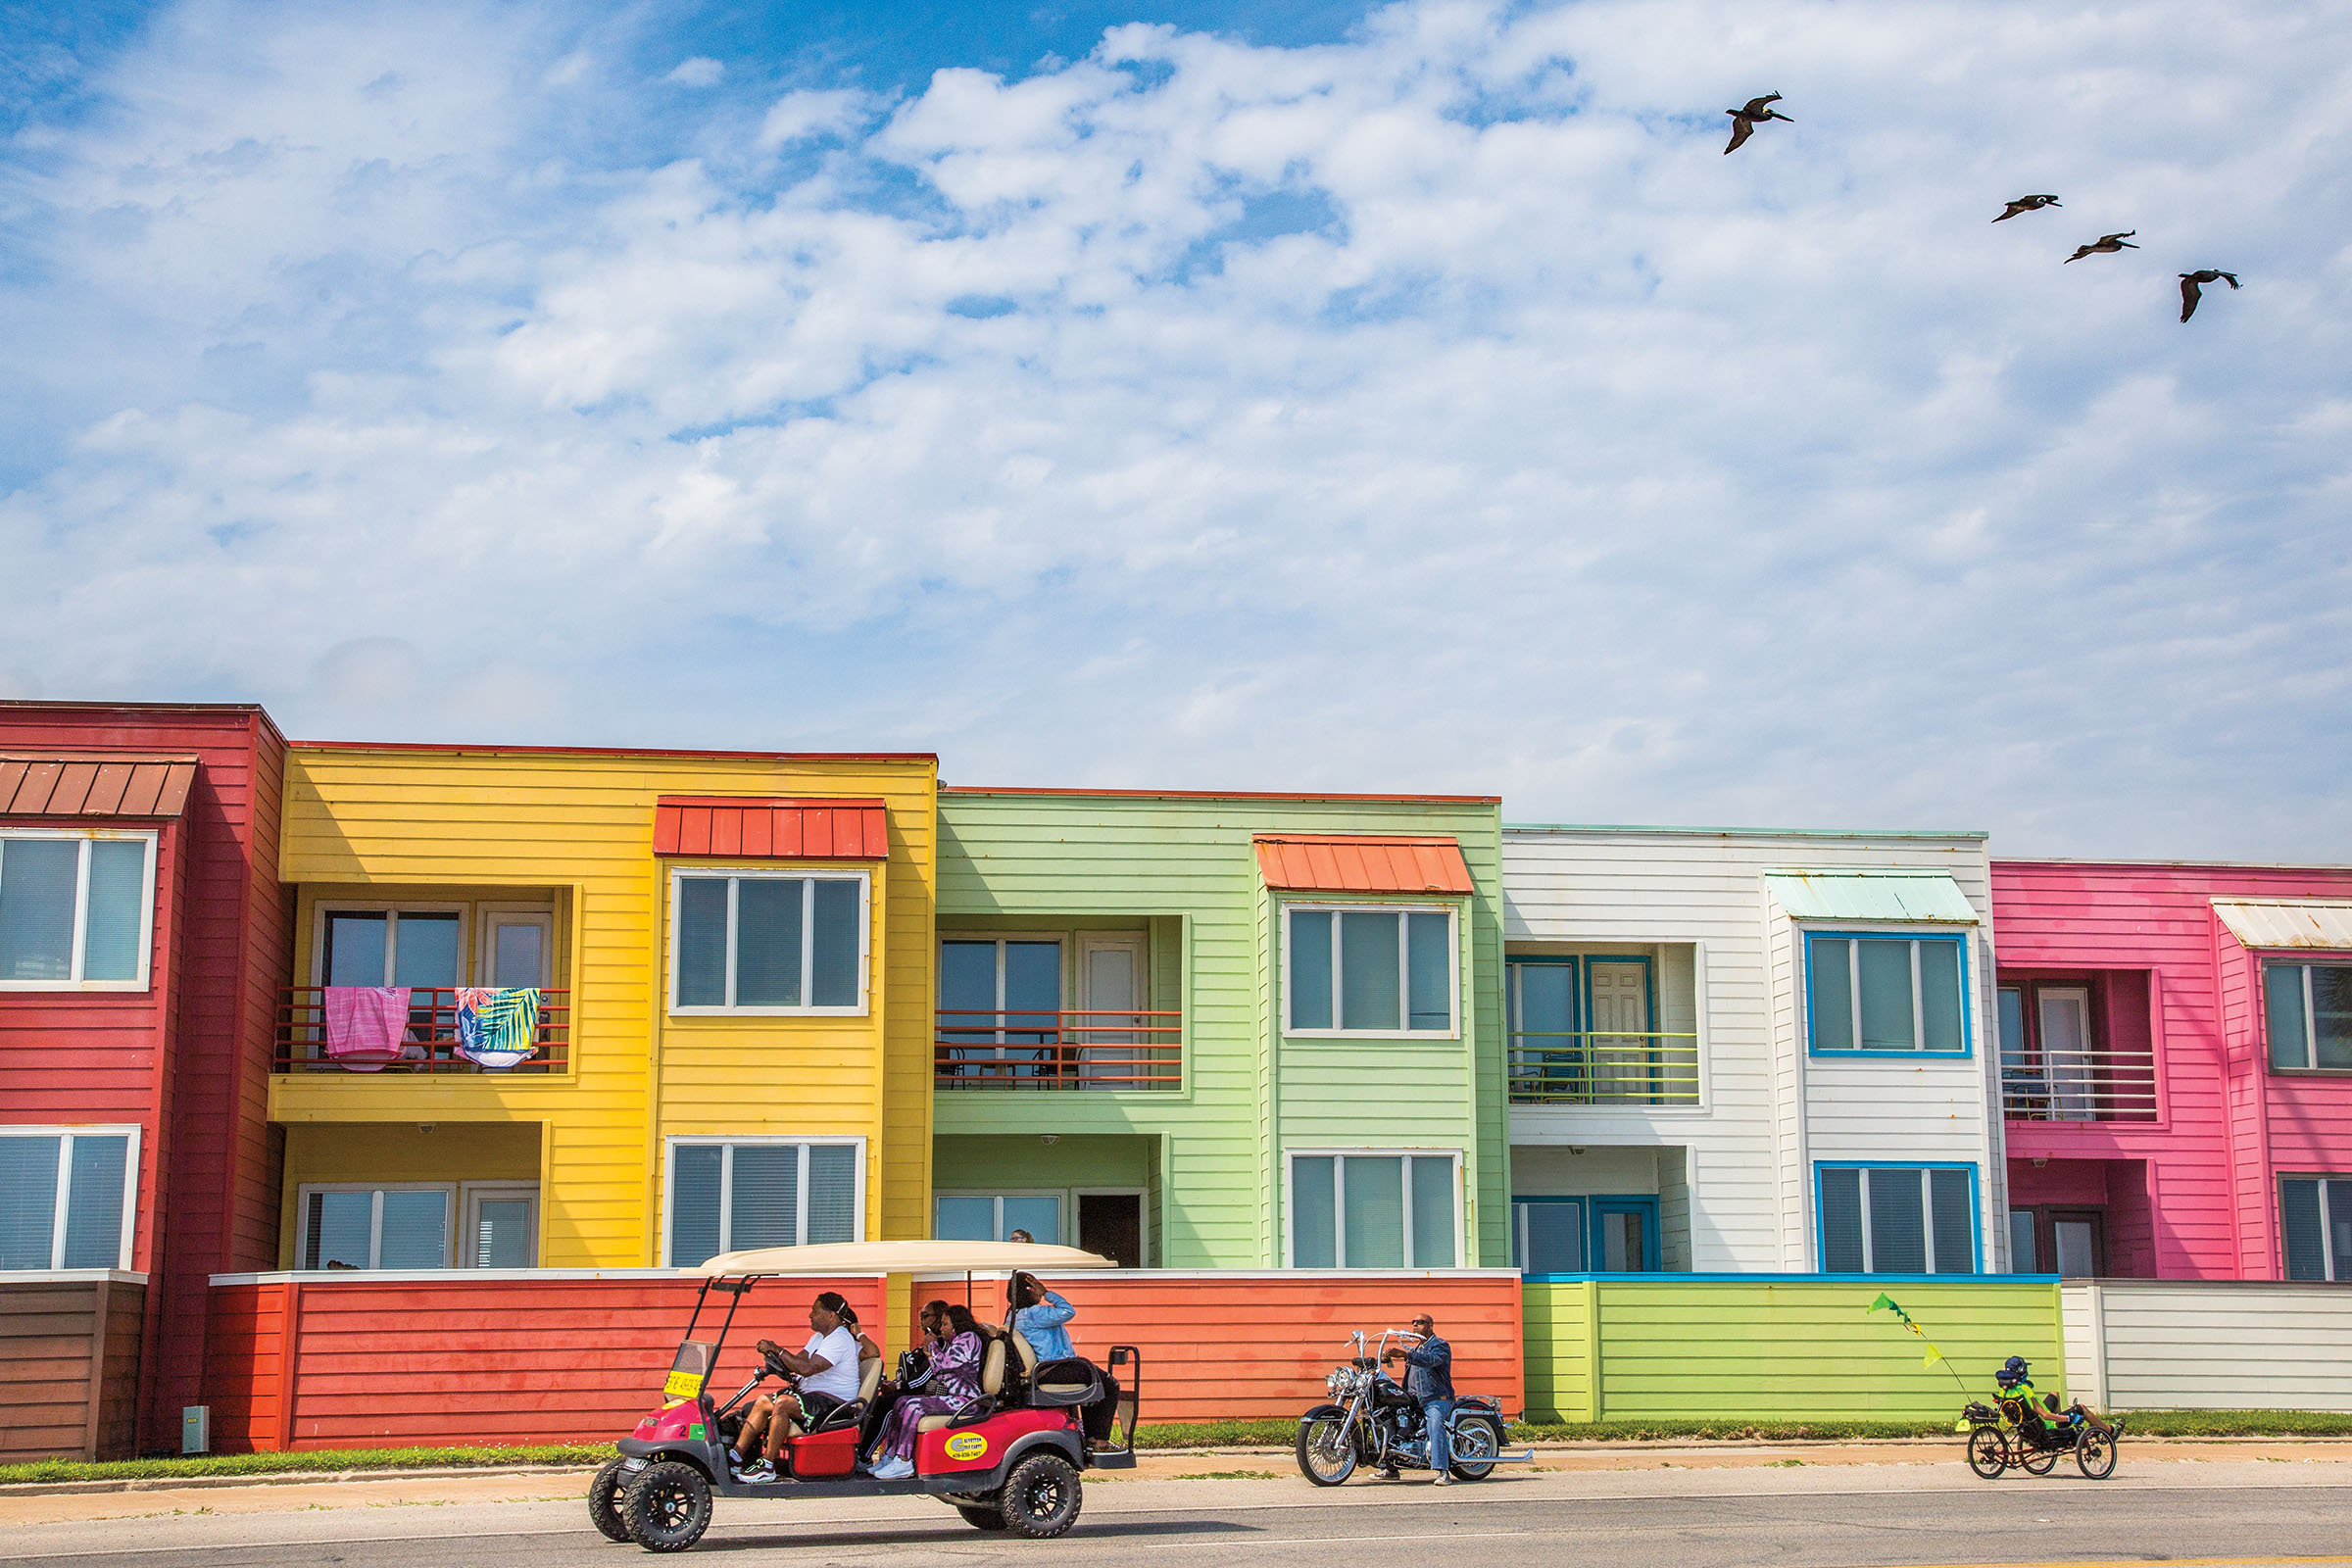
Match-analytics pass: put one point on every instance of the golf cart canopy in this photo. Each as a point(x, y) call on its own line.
point(905, 1257)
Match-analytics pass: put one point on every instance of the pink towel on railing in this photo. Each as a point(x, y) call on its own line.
point(365, 1025)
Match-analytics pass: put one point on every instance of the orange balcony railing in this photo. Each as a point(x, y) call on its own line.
point(978, 1048)
point(431, 1044)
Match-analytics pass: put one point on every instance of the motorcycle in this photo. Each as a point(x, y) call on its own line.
point(1372, 1421)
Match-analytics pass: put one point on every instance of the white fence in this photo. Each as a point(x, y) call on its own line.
point(2166, 1345)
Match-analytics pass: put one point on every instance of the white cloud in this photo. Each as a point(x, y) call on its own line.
point(1441, 410)
point(700, 71)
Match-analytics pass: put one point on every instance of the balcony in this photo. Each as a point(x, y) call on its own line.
point(2092, 1086)
point(431, 1045)
point(1588, 1068)
point(979, 1049)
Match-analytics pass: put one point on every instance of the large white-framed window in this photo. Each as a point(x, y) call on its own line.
point(68, 1197)
point(2314, 1223)
point(1355, 970)
point(374, 1225)
point(421, 946)
point(995, 1216)
point(1374, 1208)
point(2307, 1011)
point(1889, 1217)
point(501, 1225)
point(760, 941)
point(1885, 994)
point(76, 909)
point(727, 1195)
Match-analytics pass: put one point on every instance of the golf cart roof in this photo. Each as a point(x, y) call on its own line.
point(906, 1257)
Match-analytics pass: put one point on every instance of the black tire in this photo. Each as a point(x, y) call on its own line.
point(1327, 1449)
point(2094, 1454)
point(1041, 1497)
point(603, 1503)
point(2036, 1461)
point(1987, 1454)
point(668, 1507)
point(982, 1518)
point(1475, 1444)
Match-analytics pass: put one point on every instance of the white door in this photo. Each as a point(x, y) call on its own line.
point(517, 947)
point(1111, 998)
point(502, 1227)
point(2065, 1052)
point(1620, 1026)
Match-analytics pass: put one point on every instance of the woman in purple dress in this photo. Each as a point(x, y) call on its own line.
point(957, 1348)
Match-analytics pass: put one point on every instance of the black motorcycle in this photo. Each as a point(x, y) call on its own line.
point(1372, 1421)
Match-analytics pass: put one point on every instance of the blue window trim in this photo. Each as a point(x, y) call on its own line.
point(1975, 1212)
point(1583, 1224)
point(1968, 1037)
point(1557, 960)
point(1593, 1205)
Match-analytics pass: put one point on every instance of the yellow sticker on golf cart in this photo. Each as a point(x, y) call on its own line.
point(966, 1445)
point(682, 1386)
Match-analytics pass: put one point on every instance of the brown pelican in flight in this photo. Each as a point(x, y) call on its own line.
point(2108, 245)
point(2026, 204)
point(2190, 293)
point(1745, 120)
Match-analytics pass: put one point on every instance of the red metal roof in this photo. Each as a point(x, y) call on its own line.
point(1347, 862)
point(110, 784)
point(761, 828)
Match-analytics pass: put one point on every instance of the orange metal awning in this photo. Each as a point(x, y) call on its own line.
point(1341, 863)
point(95, 785)
point(771, 829)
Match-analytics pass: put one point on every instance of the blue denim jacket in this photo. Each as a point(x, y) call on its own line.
point(1042, 1326)
point(1429, 1370)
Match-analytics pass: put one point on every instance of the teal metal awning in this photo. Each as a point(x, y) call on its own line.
point(1877, 895)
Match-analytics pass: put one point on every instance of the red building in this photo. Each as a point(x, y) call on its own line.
point(142, 942)
point(2176, 1068)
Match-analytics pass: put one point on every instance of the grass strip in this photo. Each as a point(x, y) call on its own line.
point(324, 1461)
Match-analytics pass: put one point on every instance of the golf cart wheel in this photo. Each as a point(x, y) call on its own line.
point(980, 1516)
point(1326, 1450)
point(1041, 1497)
point(1475, 1444)
point(603, 1503)
point(668, 1507)
point(2038, 1461)
point(2094, 1454)
point(1986, 1453)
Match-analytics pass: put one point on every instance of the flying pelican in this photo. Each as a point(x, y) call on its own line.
point(2108, 245)
point(1745, 120)
point(2190, 293)
point(2026, 204)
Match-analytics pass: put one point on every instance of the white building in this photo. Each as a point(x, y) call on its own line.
point(1741, 1051)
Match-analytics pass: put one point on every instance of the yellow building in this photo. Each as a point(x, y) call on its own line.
point(733, 961)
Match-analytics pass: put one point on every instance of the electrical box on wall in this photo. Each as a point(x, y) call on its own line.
point(196, 1429)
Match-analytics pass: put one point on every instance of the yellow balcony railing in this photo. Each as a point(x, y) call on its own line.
point(1596, 1067)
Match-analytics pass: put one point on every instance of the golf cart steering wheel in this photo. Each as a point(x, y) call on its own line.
point(771, 1358)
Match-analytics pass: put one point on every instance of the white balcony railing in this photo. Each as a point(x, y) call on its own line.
point(2080, 1086)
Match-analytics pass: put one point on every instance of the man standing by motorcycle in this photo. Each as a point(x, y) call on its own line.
point(1429, 1379)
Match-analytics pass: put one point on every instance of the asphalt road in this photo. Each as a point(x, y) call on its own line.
point(1797, 1518)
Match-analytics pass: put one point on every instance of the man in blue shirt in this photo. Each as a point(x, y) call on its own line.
point(1429, 1379)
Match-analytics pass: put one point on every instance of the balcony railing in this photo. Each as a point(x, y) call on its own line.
point(1598, 1068)
point(978, 1048)
point(2083, 1086)
point(431, 1044)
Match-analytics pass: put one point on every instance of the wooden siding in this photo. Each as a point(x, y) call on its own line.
point(1768, 1112)
point(1791, 1349)
point(398, 1362)
point(2211, 1346)
point(70, 1367)
point(1251, 1346)
point(1191, 865)
point(407, 821)
point(2229, 1126)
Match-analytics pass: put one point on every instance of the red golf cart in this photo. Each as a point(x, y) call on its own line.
point(1009, 1461)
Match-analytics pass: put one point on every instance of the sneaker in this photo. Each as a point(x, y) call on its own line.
point(1444, 1479)
point(1387, 1475)
point(761, 1471)
point(892, 1470)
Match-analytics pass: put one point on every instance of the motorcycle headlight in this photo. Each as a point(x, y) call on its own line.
point(1333, 1384)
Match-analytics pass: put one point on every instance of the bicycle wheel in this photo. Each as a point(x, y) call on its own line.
point(1987, 1456)
point(2094, 1454)
point(2036, 1461)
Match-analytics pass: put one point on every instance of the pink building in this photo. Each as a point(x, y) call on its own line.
point(2176, 1068)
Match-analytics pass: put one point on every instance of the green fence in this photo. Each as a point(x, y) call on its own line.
point(1778, 1347)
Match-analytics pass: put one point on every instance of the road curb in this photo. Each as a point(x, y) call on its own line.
point(282, 1477)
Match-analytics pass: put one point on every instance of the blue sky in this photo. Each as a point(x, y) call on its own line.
point(1215, 394)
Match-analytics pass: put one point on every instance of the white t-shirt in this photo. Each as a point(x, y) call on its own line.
point(840, 1380)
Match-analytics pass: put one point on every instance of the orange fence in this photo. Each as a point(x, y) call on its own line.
point(980, 1048)
point(433, 1039)
point(472, 1357)
point(1238, 1346)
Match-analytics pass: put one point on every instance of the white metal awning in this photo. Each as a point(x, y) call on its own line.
point(1905, 894)
point(2321, 923)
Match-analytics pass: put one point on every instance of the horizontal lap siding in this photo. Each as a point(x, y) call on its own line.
point(242, 1364)
point(64, 1342)
point(2235, 1347)
point(1258, 1347)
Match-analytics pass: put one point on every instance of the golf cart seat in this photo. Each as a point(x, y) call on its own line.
point(992, 1385)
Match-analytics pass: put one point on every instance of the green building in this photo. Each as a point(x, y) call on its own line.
point(1222, 1031)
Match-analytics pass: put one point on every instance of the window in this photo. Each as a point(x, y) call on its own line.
point(765, 942)
point(994, 1218)
point(2316, 1221)
point(404, 1226)
point(76, 910)
point(2025, 1254)
point(518, 944)
point(502, 1225)
point(1375, 1210)
point(1357, 971)
point(1548, 1235)
point(417, 948)
point(65, 1197)
point(1899, 1219)
point(729, 1196)
point(1872, 994)
point(2309, 1010)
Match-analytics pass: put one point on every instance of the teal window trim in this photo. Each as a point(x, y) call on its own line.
point(1518, 1239)
point(1956, 940)
point(1600, 1209)
point(1976, 1215)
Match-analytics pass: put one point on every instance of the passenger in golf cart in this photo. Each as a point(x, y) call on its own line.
point(1007, 1454)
